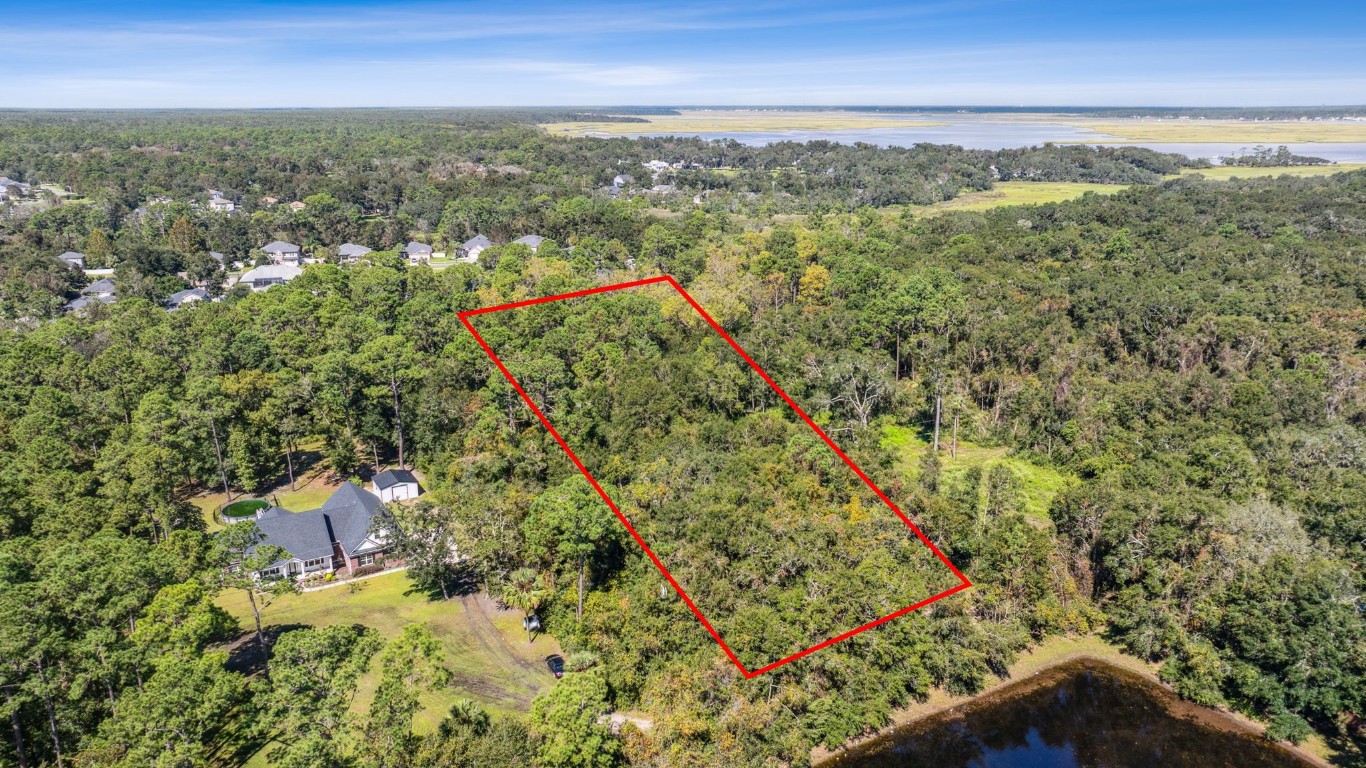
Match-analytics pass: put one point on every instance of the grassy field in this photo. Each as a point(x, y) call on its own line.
point(1038, 484)
point(485, 648)
point(1234, 172)
point(1181, 131)
point(707, 121)
point(1018, 193)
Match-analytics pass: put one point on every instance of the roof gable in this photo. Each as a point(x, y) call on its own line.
point(392, 477)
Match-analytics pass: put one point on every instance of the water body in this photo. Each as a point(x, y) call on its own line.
point(1084, 714)
point(976, 132)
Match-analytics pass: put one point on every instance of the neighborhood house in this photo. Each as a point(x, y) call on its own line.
point(348, 252)
point(282, 253)
point(417, 252)
point(340, 535)
point(261, 278)
point(531, 241)
point(73, 259)
point(469, 251)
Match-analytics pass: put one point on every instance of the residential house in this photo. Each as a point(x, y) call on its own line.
point(469, 250)
point(73, 259)
point(342, 534)
point(11, 189)
point(181, 298)
point(261, 278)
point(663, 189)
point(99, 292)
point(283, 253)
point(268, 201)
point(215, 194)
point(297, 206)
point(417, 252)
point(218, 257)
point(531, 241)
point(657, 166)
point(622, 179)
point(395, 485)
point(349, 252)
point(222, 205)
point(100, 288)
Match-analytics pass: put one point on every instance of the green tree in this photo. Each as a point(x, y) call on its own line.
point(566, 721)
point(569, 523)
point(248, 563)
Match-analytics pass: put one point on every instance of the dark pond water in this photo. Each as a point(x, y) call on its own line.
point(1082, 715)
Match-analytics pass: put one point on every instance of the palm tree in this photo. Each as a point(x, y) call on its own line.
point(524, 591)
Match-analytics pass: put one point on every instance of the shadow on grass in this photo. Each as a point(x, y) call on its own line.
point(244, 654)
point(461, 583)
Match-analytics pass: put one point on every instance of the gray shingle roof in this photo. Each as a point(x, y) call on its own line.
point(416, 247)
point(392, 477)
point(349, 250)
point(305, 535)
point(351, 509)
point(72, 256)
point(103, 285)
point(280, 247)
point(531, 241)
point(180, 297)
point(478, 241)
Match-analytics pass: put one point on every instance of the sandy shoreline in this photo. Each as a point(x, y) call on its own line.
point(1042, 667)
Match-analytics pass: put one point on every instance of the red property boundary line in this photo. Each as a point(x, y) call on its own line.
point(964, 583)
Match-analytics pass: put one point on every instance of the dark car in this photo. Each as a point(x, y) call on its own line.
point(556, 665)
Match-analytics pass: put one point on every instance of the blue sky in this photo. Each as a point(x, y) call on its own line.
point(248, 53)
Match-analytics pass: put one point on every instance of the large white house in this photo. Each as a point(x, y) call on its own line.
point(261, 278)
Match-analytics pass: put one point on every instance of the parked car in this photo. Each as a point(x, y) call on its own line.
point(555, 664)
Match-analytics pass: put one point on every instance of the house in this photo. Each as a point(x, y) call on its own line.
point(395, 485)
point(663, 189)
point(469, 250)
point(348, 252)
point(11, 189)
point(622, 179)
point(81, 302)
point(531, 241)
point(268, 201)
point(73, 259)
point(181, 298)
point(261, 278)
point(340, 535)
point(417, 252)
point(215, 194)
point(222, 205)
point(100, 288)
point(218, 257)
point(283, 253)
point(297, 206)
point(657, 166)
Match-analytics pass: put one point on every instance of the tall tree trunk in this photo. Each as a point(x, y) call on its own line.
point(938, 407)
point(898, 354)
point(289, 462)
point(51, 714)
point(218, 453)
point(260, 635)
point(398, 422)
point(580, 586)
point(954, 451)
point(16, 727)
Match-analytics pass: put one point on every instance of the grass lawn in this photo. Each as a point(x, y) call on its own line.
point(1018, 193)
point(1231, 172)
point(500, 671)
point(1038, 484)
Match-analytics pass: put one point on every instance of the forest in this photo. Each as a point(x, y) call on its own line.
point(1187, 352)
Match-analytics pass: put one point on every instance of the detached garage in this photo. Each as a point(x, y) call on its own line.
point(395, 485)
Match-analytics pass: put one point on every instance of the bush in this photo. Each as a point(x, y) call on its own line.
point(368, 570)
point(1288, 726)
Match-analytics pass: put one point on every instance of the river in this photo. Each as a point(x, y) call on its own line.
point(1084, 714)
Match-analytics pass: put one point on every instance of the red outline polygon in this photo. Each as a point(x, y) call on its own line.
point(964, 583)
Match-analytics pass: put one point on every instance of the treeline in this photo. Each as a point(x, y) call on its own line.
point(1190, 352)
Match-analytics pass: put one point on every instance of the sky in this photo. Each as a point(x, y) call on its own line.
point(302, 53)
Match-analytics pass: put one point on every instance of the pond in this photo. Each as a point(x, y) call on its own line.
point(1084, 714)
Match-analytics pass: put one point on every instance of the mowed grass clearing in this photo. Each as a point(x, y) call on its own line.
point(1018, 193)
point(496, 667)
point(1038, 484)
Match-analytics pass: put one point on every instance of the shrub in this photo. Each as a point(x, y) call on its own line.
point(1288, 726)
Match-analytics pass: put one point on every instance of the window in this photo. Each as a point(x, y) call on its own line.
point(314, 563)
point(365, 560)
